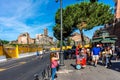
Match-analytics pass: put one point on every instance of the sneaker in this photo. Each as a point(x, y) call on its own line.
point(106, 66)
point(95, 65)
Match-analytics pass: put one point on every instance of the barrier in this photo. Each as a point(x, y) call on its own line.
point(10, 52)
point(44, 73)
point(15, 51)
point(64, 48)
point(1, 50)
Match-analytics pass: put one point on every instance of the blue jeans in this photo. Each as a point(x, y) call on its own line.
point(107, 61)
point(53, 73)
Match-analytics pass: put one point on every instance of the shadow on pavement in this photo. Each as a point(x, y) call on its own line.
point(115, 66)
point(73, 65)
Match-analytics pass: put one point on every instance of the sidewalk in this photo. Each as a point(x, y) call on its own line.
point(3, 58)
point(90, 72)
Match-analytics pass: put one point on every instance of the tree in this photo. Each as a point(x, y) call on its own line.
point(93, 0)
point(3, 42)
point(89, 0)
point(83, 16)
point(97, 33)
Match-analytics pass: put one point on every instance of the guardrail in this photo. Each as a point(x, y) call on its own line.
point(45, 75)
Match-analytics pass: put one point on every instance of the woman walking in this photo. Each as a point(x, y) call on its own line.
point(108, 55)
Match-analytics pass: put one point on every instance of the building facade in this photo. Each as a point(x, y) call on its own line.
point(24, 38)
point(117, 10)
point(42, 39)
point(46, 32)
point(76, 37)
point(114, 28)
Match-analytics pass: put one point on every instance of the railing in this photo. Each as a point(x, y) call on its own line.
point(44, 73)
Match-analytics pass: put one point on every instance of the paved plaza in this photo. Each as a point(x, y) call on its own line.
point(68, 72)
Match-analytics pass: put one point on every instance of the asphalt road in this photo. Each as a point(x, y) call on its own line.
point(23, 69)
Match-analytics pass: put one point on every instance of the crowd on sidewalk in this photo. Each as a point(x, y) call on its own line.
point(92, 55)
point(86, 56)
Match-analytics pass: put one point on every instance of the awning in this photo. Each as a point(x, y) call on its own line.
point(96, 40)
point(108, 41)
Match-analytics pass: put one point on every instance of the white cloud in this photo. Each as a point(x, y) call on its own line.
point(17, 27)
point(12, 23)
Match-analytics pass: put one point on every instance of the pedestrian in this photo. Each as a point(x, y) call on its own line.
point(89, 58)
point(103, 56)
point(95, 54)
point(41, 54)
point(118, 53)
point(113, 48)
point(77, 52)
point(37, 53)
point(54, 63)
point(108, 54)
point(83, 53)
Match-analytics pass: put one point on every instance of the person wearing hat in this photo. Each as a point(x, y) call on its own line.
point(95, 54)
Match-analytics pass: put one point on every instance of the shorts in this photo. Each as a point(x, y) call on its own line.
point(95, 57)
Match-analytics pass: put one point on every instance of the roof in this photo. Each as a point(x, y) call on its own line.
point(104, 40)
point(108, 41)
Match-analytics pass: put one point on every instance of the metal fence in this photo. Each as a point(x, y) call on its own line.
point(44, 73)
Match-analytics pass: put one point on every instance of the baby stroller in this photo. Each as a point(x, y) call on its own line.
point(80, 62)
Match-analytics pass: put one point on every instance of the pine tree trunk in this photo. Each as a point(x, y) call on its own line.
point(82, 37)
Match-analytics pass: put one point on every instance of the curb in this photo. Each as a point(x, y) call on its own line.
point(3, 58)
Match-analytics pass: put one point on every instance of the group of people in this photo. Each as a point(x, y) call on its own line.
point(92, 55)
point(86, 56)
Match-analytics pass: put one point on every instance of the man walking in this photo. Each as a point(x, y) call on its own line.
point(95, 54)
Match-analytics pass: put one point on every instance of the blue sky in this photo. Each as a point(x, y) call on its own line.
point(32, 16)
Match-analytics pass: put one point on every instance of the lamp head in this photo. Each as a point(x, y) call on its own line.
point(56, 0)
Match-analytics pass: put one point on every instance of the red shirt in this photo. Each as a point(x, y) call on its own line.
point(77, 51)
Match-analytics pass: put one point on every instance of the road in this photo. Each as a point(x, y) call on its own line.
point(23, 69)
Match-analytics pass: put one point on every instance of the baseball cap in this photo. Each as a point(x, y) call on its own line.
point(98, 45)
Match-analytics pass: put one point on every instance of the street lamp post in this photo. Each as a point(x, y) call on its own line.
point(61, 52)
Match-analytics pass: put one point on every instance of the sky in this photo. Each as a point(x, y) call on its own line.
point(32, 16)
